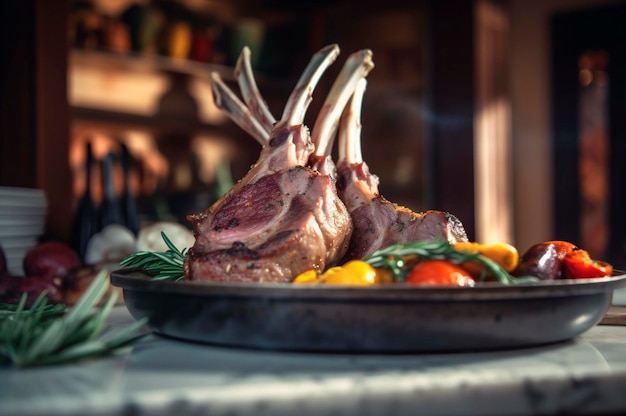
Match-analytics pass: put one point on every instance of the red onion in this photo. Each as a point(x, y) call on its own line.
point(50, 259)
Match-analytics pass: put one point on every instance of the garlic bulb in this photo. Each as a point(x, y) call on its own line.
point(111, 244)
point(149, 238)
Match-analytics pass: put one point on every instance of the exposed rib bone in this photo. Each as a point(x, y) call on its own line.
point(230, 104)
point(289, 143)
point(250, 92)
point(362, 185)
point(350, 130)
point(357, 67)
point(300, 98)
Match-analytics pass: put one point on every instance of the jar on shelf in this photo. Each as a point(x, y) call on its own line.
point(179, 38)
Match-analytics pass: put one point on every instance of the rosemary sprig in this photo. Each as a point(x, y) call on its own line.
point(47, 311)
point(393, 257)
point(167, 265)
point(49, 334)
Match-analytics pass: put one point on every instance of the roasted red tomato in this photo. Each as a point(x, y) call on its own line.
point(439, 272)
point(577, 264)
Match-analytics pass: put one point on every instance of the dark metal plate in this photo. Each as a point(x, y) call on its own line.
point(388, 318)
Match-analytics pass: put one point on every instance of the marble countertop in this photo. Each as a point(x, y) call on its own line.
point(166, 377)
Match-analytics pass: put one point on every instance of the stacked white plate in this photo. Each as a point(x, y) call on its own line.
point(22, 222)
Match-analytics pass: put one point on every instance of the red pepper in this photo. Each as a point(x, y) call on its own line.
point(579, 265)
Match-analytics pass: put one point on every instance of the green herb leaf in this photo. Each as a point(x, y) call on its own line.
point(45, 334)
point(167, 265)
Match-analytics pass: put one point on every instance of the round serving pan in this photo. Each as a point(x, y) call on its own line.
point(387, 318)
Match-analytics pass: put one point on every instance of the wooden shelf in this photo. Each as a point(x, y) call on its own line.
point(131, 62)
point(89, 118)
point(128, 91)
point(142, 91)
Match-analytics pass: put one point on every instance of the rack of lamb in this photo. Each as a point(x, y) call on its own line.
point(283, 217)
point(378, 223)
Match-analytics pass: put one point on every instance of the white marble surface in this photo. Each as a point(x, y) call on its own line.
point(166, 377)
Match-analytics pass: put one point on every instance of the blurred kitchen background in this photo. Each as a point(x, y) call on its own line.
point(508, 114)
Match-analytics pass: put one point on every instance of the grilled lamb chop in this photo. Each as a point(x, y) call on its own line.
point(378, 222)
point(283, 217)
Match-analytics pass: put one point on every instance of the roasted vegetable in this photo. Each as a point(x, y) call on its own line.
point(504, 254)
point(579, 265)
point(439, 272)
point(557, 259)
point(310, 276)
point(562, 248)
point(399, 259)
point(541, 260)
point(355, 272)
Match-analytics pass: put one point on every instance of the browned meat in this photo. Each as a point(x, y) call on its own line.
point(283, 217)
point(378, 222)
point(271, 230)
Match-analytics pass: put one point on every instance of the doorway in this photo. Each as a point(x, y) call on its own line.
point(589, 130)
